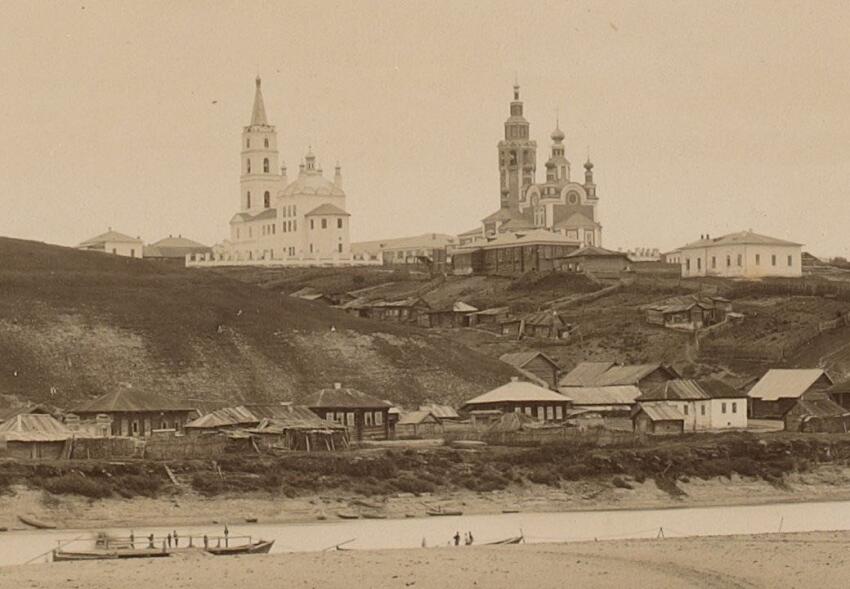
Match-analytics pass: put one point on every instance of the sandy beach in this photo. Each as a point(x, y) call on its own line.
point(771, 560)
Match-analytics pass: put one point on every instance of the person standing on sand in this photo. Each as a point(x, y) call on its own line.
point(457, 538)
point(150, 541)
point(176, 539)
point(132, 540)
point(168, 537)
point(226, 534)
point(206, 542)
point(471, 539)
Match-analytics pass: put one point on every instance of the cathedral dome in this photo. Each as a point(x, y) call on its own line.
point(312, 184)
point(557, 135)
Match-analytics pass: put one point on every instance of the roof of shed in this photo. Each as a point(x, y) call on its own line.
point(344, 398)
point(34, 427)
point(613, 395)
point(416, 417)
point(785, 383)
point(584, 374)
point(440, 411)
point(662, 412)
point(130, 400)
point(520, 359)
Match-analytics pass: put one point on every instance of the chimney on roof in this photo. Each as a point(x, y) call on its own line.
point(337, 385)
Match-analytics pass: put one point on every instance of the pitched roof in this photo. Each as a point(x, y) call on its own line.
point(520, 359)
point(493, 311)
point(344, 398)
point(501, 215)
point(661, 412)
point(545, 318)
point(785, 383)
point(440, 411)
point(471, 232)
point(594, 251)
point(613, 395)
point(631, 374)
point(461, 307)
point(675, 390)
point(517, 391)
point(174, 247)
point(820, 405)
point(327, 209)
point(130, 400)
point(739, 238)
point(30, 427)
point(110, 236)
point(295, 417)
point(584, 374)
point(10, 412)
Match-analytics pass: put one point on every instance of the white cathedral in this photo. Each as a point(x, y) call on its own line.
point(298, 222)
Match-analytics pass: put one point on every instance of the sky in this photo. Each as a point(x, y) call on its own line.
point(700, 117)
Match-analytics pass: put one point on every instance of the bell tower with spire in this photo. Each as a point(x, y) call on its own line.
point(260, 180)
point(517, 156)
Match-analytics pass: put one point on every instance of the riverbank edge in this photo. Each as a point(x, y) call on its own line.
point(77, 513)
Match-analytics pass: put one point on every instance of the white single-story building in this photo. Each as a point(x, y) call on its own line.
point(113, 242)
point(741, 255)
point(705, 404)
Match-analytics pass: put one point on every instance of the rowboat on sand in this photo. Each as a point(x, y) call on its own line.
point(36, 523)
point(258, 547)
point(441, 511)
point(512, 540)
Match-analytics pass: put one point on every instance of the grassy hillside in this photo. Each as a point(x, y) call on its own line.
point(76, 324)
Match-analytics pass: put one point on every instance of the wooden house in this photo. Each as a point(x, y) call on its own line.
point(606, 374)
point(815, 412)
point(135, 413)
point(608, 401)
point(840, 393)
point(536, 363)
point(706, 404)
point(779, 389)
point(34, 436)
point(366, 417)
point(690, 312)
point(597, 260)
point(661, 419)
point(296, 427)
point(522, 397)
point(457, 316)
point(489, 317)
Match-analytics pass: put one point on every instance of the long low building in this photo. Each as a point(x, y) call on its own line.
point(516, 253)
point(741, 255)
point(616, 400)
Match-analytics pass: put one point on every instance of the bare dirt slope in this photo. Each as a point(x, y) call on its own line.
point(75, 324)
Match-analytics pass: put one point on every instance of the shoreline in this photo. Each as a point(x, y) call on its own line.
point(77, 513)
point(734, 561)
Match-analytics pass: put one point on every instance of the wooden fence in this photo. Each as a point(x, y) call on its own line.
point(543, 436)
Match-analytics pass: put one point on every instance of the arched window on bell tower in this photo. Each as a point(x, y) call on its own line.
point(248, 165)
point(267, 200)
point(266, 142)
point(266, 165)
point(248, 200)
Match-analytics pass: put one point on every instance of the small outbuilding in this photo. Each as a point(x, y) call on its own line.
point(779, 389)
point(536, 363)
point(34, 436)
point(610, 401)
point(540, 324)
point(418, 424)
point(136, 413)
point(596, 260)
point(816, 412)
point(660, 419)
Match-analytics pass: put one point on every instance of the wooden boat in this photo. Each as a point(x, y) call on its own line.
point(258, 547)
point(36, 523)
point(347, 515)
point(441, 511)
point(373, 515)
point(101, 554)
point(513, 540)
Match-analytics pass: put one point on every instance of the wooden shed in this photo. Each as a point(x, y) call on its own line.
point(418, 424)
point(29, 436)
point(658, 419)
point(365, 416)
point(535, 362)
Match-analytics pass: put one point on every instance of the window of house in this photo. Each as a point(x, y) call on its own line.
point(699, 263)
point(723, 407)
point(248, 142)
point(550, 413)
point(324, 223)
point(339, 247)
point(790, 261)
point(559, 412)
point(685, 409)
point(237, 233)
point(368, 418)
point(312, 224)
point(350, 418)
point(728, 261)
point(132, 253)
point(163, 425)
point(311, 248)
point(135, 428)
point(267, 199)
point(339, 223)
point(714, 261)
point(266, 141)
point(177, 425)
point(528, 411)
point(266, 165)
point(115, 251)
point(248, 200)
point(248, 163)
point(379, 418)
point(295, 225)
point(687, 264)
point(734, 407)
point(541, 414)
point(773, 260)
point(740, 260)
point(702, 409)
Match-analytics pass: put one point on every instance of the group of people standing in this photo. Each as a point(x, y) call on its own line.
point(467, 539)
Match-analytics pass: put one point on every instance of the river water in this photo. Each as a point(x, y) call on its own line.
point(20, 546)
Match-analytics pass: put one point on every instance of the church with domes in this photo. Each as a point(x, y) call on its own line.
point(559, 205)
point(281, 220)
